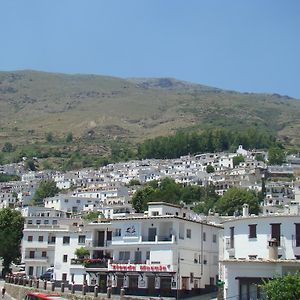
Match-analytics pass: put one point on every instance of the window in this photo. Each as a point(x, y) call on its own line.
point(78, 201)
point(52, 239)
point(252, 231)
point(46, 222)
point(275, 232)
point(118, 232)
point(54, 222)
point(38, 222)
point(41, 238)
point(297, 234)
point(155, 213)
point(66, 200)
point(66, 240)
point(81, 239)
point(65, 258)
point(124, 255)
point(138, 256)
point(30, 238)
point(214, 238)
point(31, 254)
point(29, 222)
point(64, 277)
point(204, 236)
point(231, 237)
point(188, 233)
point(44, 253)
point(147, 254)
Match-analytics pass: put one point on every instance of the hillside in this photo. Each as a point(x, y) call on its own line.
point(105, 108)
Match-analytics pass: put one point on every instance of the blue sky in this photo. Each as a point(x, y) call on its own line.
point(244, 45)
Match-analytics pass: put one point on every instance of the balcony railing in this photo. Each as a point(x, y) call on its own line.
point(35, 258)
point(90, 262)
point(98, 243)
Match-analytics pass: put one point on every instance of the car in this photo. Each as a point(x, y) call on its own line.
point(39, 296)
point(48, 275)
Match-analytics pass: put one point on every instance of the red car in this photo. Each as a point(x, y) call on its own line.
point(38, 296)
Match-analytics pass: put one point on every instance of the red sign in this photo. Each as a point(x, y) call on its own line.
point(139, 268)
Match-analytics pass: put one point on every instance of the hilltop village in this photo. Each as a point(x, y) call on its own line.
point(166, 249)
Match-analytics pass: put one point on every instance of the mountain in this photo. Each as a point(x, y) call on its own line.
point(34, 103)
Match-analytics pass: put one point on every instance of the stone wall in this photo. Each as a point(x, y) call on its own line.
point(19, 292)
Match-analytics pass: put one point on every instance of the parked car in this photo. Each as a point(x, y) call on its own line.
point(48, 275)
point(38, 296)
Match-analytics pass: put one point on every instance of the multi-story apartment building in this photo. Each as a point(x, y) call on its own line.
point(257, 248)
point(159, 252)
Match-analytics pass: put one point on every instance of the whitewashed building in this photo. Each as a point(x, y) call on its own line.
point(257, 248)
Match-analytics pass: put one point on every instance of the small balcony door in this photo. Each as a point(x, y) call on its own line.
point(151, 234)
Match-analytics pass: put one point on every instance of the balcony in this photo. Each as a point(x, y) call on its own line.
point(95, 263)
point(38, 259)
point(98, 244)
point(157, 239)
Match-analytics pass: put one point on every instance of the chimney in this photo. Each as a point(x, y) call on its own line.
point(273, 249)
point(245, 210)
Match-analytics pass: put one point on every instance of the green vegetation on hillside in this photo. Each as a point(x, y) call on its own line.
point(203, 198)
point(214, 140)
point(171, 192)
point(39, 107)
point(7, 178)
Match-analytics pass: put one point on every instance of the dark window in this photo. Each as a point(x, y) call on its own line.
point(204, 236)
point(65, 258)
point(214, 238)
point(81, 239)
point(252, 231)
point(231, 237)
point(31, 254)
point(66, 240)
point(41, 238)
point(188, 233)
point(30, 271)
point(275, 232)
point(44, 253)
point(297, 229)
point(64, 277)
point(30, 238)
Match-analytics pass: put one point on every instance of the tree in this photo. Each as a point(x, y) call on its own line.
point(49, 137)
point(276, 156)
point(82, 252)
point(69, 137)
point(286, 287)
point(92, 215)
point(11, 232)
point(30, 165)
point(237, 160)
point(233, 200)
point(141, 198)
point(133, 182)
point(210, 169)
point(8, 147)
point(46, 188)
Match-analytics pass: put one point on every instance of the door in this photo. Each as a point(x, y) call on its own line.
point(100, 238)
point(151, 234)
